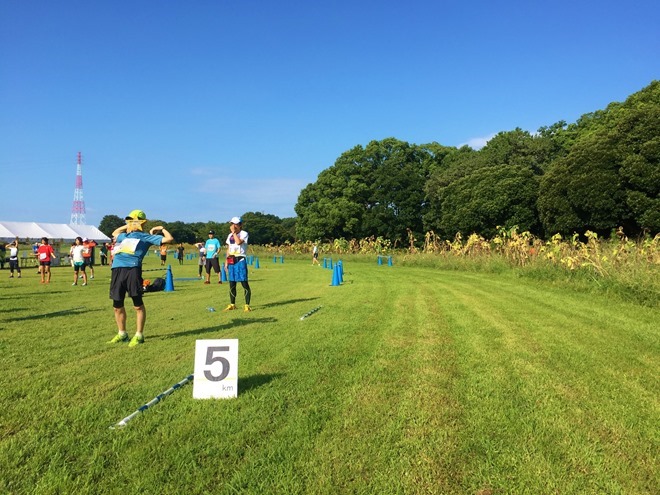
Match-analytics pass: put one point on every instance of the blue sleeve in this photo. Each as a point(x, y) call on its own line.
point(156, 240)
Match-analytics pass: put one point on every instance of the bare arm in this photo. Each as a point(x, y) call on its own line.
point(118, 231)
point(167, 237)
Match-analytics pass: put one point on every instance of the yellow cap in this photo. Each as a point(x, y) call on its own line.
point(136, 215)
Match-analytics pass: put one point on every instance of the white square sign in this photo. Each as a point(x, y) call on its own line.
point(216, 369)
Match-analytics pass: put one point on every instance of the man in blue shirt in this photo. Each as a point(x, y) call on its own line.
point(212, 247)
point(131, 246)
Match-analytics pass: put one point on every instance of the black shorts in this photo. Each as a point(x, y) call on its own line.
point(212, 262)
point(88, 261)
point(125, 281)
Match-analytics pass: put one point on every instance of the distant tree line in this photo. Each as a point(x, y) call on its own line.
point(597, 174)
point(263, 228)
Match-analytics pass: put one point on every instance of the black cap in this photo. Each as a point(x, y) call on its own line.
point(211, 232)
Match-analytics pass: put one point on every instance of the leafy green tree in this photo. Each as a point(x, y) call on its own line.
point(489, 197)
point(611, 175)
point(289, 226)
point(110, 223)
point(372, 191)
point(581, 192)
point(199, 232)
point(265, 229)
point(497, 186)
point(182, 232)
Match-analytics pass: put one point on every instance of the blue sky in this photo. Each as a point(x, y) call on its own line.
point(204, 109)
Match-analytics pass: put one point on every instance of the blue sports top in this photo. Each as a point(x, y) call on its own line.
point(131, 248)
point(212, 248)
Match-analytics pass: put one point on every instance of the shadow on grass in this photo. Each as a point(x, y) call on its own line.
point(255, 381)
point(65, 312)
point(229, 325)
point(12, 310)
point(40, 294)
point(290, 301)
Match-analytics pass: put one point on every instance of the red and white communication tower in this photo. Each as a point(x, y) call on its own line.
point(78, 208)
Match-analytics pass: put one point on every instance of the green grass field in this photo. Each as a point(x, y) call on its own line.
point(408, 380)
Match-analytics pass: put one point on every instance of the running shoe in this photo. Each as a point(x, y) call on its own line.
point(118, 338)
point(230, 307)
point(137, 339)
point(247, 308)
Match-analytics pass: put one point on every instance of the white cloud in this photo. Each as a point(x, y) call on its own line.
point(478, 142)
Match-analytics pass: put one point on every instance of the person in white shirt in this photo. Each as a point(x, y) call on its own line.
point(78, 260)
point(236, 264)
point(13, 259)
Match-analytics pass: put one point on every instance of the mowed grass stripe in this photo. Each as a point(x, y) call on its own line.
point(381, 413)
point(528, 360)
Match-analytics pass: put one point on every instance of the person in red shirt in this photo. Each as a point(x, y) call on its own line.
point(44, 254)
point(88, 254)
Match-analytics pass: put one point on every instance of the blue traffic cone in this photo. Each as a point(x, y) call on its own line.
point(335, 277)
point(223, 273)
point(389, 261)
point(380, 260)
point(256, 263)
point(325, 262)
point(169, 280)
point(274, 259)
point(340, 271)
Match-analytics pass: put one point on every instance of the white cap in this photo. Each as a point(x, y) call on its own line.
point(236, 220)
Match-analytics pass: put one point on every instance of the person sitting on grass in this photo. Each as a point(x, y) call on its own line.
point(131, 246)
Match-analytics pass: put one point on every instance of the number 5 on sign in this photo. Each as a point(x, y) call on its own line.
point(216, 369)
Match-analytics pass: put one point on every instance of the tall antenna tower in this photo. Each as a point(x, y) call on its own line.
point(78, 208)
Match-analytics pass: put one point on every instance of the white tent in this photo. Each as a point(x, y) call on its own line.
point(55, 232)
point(5, 233)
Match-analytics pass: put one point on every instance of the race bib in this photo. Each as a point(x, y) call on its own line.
point(127, 246)
point(43, 256)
